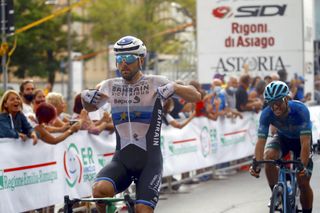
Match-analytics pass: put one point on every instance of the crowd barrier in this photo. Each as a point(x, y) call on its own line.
point(37, 176)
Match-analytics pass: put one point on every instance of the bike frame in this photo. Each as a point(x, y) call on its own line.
point(287, 206)
point(109, 201)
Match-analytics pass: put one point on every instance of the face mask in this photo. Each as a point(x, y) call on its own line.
point(232, 89)
point(28, 97)
point(216, 90)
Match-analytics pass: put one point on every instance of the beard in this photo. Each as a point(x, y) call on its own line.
point(130, 76)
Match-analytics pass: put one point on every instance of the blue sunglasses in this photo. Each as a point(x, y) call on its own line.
point(129, 59)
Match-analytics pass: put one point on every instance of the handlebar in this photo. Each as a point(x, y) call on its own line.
point(281, 163)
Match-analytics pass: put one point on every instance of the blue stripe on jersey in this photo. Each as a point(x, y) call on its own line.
point(136, 116)
point(120, 109)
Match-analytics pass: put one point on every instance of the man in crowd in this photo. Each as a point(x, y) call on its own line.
point(242, 101)
point(26, 92)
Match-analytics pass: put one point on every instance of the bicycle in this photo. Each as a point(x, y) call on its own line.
point(109, 201)
point(282, 200)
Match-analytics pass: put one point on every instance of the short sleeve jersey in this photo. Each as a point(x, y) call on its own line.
point(292, 126)
point(136, 110)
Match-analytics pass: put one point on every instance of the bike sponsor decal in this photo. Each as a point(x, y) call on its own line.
point(12, 178)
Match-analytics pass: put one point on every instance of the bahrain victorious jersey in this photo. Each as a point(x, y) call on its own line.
point(136, 110)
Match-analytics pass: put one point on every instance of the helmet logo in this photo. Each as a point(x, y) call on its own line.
point(125, 41)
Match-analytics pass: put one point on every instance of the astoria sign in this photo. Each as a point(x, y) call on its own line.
point(257, 63)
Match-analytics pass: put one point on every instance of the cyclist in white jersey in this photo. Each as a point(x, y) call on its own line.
point(136, 105)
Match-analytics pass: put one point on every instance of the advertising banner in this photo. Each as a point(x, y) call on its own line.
point(267, 35)
point(36, 176)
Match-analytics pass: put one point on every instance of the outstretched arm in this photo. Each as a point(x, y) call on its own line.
point(187, 92)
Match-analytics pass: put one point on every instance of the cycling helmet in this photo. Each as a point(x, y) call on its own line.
point(275, 91)
point(130, 45)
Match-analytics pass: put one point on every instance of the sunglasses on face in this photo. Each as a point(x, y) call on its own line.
point(277, 102)
point(128, 59)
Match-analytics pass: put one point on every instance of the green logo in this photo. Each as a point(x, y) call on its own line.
point(1, 180)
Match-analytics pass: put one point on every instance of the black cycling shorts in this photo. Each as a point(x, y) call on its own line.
point(148, 180)
point(284, 145)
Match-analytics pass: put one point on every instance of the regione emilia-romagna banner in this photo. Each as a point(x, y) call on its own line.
point(267, 35)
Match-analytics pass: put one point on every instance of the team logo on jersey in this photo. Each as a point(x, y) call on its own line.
point(72, 165)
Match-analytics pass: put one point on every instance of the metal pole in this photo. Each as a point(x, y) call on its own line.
point(70, 72)
point(4, 40)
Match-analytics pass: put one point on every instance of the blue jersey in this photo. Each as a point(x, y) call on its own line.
point(295, 124)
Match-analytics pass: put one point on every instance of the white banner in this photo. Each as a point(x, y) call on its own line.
point(32, 177)
point(265, 34)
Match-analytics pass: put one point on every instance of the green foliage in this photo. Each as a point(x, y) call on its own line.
point(114, 19)
point(39, 49)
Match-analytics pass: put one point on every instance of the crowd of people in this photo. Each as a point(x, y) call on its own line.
point(45, 111)
point(31, 113)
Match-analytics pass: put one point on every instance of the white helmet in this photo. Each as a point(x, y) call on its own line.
point(130, 45)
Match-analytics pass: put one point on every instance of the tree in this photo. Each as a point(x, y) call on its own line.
point(114, 19)
point(39, 49)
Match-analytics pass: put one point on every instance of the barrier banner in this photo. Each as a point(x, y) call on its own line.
point(33, 177)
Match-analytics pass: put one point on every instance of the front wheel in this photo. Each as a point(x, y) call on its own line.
point(277, 199)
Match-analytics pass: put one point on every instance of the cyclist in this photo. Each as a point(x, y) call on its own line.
point(136, 102)
point(292, 121)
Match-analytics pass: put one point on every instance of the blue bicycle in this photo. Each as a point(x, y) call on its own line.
point(285, 194)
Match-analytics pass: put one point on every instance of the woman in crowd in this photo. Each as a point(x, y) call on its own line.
point(61, 123)
point(14, 123)
point(46, 114)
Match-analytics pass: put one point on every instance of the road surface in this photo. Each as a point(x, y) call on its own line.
point(239, 193)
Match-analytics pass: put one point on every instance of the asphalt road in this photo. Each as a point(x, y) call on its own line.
point(239, 193)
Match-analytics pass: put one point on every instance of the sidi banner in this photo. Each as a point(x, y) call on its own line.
point(266, 35)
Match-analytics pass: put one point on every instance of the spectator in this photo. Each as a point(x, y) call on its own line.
point(267, 79)
point(257, 93)
point(230, 95)
point(45, 114)
point(297, 90)
point(254, 83)
point(14, 123)
point(169, 120)
point(58, 102)
point(38, 98)
point(242, 101)
point(283, 76)
point(215, 102)
point(26, 92)
point(275, 77)
point(317, 92)
point(220, 77)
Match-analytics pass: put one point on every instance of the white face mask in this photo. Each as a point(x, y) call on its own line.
point(232, 89)
point(216, 89)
